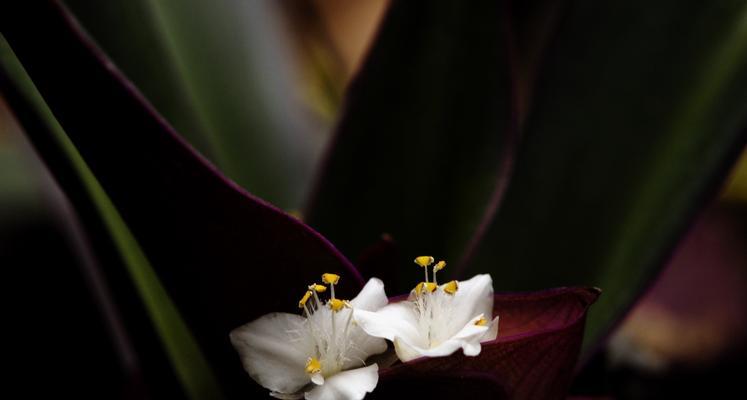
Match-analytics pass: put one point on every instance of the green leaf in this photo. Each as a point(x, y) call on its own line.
point(422, 144)
point(220, 72)
point(214, 246)
point(191, 368)
point(638, 112)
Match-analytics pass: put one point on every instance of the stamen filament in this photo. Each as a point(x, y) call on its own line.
point(424, 262)
point(439, 266)
point(345, 333)
point(316, 300)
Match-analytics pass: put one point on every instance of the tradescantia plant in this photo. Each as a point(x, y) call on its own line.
point(497, 134)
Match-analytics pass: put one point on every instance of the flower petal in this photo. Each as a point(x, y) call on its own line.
point(474, 297)
point(273, 353)
point(317, 379)
point(468, 339)
point(364, 346)
point(372, 297)
point(534, 355)
point(492, 332)
point(347, 385)
point(393, 320)
point(287, 396)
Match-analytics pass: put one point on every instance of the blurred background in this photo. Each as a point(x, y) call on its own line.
point(684, 338)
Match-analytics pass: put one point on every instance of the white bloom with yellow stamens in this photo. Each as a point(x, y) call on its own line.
point(320, 355)
point(436, 320)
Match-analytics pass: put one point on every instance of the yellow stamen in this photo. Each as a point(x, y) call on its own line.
point(313, 366)
point(419, 288)
point(439, 266)
point(318, 288)
point(330, 279)
point(337, 304)
point(304, 299)
point(451, 287)
point(481, 322)
point(424, 261)
point(429, 286)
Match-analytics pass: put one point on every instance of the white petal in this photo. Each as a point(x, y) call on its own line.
point(393, 320)
point(363, 347)
point(468, 339)
point(372, 297)
point(474, 297)
point(347, 385)
point(492, 332)
point(318, 379)
point(287, 396)
point(274, 351)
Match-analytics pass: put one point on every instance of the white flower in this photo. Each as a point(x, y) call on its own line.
point(320, 355)
point(436, 320)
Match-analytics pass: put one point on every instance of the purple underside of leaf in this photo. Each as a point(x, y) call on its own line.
point(223, 255)
point(533, 357)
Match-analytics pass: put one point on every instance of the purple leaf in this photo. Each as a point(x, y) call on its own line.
point(533, 357)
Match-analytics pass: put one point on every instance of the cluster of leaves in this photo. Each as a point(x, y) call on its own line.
point(548, 143)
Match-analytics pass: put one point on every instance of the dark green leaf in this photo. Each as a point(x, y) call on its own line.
point(422, 141)
point(221, 73)
point(224, 256)
point(165, 349)
point(638, 112)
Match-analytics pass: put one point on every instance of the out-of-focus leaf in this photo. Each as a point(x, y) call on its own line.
point(220, 72)
point(435, 385)
point(695, 314)
point(736, 186)
point(140, 298)
point(129, 33)
point(639, 110)
point(420, 148)
point(533, 356)
point(224, 256)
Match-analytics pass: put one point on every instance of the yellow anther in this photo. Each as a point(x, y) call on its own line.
point(318, 288)
point(313, 366)
point(439, 266)
point(337, 304)
point(481, 322)
point(330, 279)
point(419, 288)
point(429, 286)
point(304, 299)
point(424, 261)
point(451, 287)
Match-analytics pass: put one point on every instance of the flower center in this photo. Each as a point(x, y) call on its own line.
point(434, 307)
point(328, 324)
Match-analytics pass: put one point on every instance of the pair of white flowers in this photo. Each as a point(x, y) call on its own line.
point(322, 354)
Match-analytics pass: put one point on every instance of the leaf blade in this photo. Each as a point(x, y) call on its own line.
point(402, 164)
point(631, 131)
point(209, 241)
